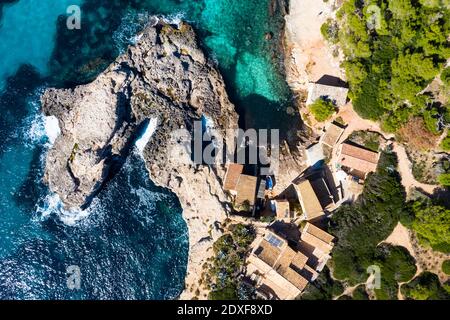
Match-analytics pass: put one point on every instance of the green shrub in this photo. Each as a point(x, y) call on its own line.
point(444, 179)
point(425, 287)
point(323, 288)
point(230, 252)
point(345, 297)
point(359, 227)
point(431, 120)
point(446, 267)
point(360, 293)
point(446, 114)
point(226, 293)
point(395, 262)
point(445, 144)
point(396, 265)
point(431, 223)
point(390, 62)
point(322, 109)
point(330, 31)
point(445, 76)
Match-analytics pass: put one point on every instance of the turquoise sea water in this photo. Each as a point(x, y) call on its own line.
point(132, 243)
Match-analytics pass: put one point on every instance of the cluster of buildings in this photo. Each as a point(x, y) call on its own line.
point(281, 271)
point(281, 266)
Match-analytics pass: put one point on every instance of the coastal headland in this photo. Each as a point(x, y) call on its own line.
point(164, 80)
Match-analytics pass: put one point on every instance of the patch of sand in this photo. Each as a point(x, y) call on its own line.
point(400, 237)
point(308, 56)
point(426, 258)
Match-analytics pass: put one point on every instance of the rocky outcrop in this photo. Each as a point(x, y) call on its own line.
point(166, 77)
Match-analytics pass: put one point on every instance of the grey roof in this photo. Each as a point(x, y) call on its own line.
point(336, 94)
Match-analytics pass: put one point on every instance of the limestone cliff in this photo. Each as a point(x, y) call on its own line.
point(165, 76)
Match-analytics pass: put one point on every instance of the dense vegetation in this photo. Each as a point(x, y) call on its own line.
point(359, 227)
point(444, 179)
point(432, 225)
point(445, 144)
point(330, 31)
point(370, 140)
point(394, 49)
point(396, 266)
point(323, 288)
point(425, 287)
point(322, 109)
point(230, 251)
point(446, 267)
point(360, 293)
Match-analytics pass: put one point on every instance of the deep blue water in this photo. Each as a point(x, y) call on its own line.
point(132, 242)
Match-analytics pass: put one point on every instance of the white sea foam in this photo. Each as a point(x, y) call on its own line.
point(148, 133)
point(72, 217)
point(52, 130)
point(32, 129)
point(34, 132)
point(175, 18)
point(128, 31)
point(42, 127)
point(52, 204)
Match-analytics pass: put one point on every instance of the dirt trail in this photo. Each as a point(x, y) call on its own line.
point(356, 123)
point(405, 169)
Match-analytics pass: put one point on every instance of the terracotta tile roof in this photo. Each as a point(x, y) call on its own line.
point(283, 266)
point(332, 135)
point(317, 238)
point(318, 233)
point(359, 159)
point(295, 278)
point(310, 203)
point(232, 176)
point(286, 262)
point(316, 243)
point(299, 261)
point(285, 258)
point(309, 273)
point(267, 252)
point(246, 189)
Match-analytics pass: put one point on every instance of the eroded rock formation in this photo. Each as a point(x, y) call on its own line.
point(165, 76)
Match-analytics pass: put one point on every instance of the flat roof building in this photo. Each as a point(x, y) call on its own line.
point(309, 202)
point(283, 210)
point(332, 135)
point(320, 244)
point(246, 189)
point(241, 186)
point(338, 95)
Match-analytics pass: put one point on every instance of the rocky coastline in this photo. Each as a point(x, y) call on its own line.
point(166, 78)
